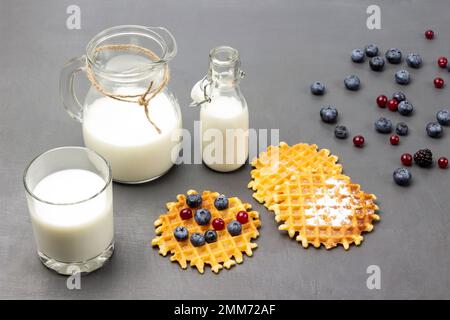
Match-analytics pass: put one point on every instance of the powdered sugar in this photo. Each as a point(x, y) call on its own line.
point(333, 205)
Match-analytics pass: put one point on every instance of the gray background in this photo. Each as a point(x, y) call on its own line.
point(284, 45)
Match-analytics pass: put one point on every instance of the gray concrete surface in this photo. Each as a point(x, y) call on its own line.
point(285, 45)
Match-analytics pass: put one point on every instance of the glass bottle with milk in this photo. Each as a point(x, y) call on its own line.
point(129, 116)
point(224, 119)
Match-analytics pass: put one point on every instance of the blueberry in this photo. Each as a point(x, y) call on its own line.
point(234, 228)
point(357, 55)
point(402, 77)
point(371, 50)
point(341, 132)
point(402, 176)
point(181, 233)
point(405, 108)
point(197, 239)
point(376, 63)
point(394, 56)
point(383, 125)
point(434, 129)
point(401, 129)
point(202, 216)
point(443, 117)
point(317, 88)
point(352, 82)
point(414, 60)
point(194, 200)
point(329, 114)
point(399, 96)
point(221, 202)
point(210, 236)
point(448, 66)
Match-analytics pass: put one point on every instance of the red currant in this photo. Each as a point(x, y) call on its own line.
point(443, 162)
point(242, 217)
point(438, 82)
point(406, 159)
point(218, 224)
point(442, 62)
point(429, 34)
point(392, 105)
point(394, 139)
point(186, 213)
point(381, 101)
point(358, 141)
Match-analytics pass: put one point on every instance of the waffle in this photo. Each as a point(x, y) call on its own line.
point(320, 209)
point(311, 198)
point(279, 163)
point(225, 252)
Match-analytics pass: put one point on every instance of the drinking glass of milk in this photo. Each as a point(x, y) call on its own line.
point(224, 115)
point(69, 195)
point(128, 114)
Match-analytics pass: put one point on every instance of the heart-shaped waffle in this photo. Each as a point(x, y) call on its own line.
point(279, 163)
point(225, 252)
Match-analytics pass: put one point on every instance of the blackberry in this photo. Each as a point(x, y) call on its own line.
point(423, 158)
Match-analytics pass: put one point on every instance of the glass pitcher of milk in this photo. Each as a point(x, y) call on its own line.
point(224, 119)
point(129, 116)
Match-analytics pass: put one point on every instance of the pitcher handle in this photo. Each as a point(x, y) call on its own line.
point(67, 90)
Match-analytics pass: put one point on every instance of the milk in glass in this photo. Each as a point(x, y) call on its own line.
point(75, 223)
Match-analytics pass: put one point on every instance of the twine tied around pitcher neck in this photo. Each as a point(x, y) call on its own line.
point(142, 99)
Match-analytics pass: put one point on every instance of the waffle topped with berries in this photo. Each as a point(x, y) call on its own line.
point(314, 202)
point(207, 229)
point(279, 163)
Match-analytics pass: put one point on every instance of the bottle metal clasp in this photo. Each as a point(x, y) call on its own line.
point(204, 84)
